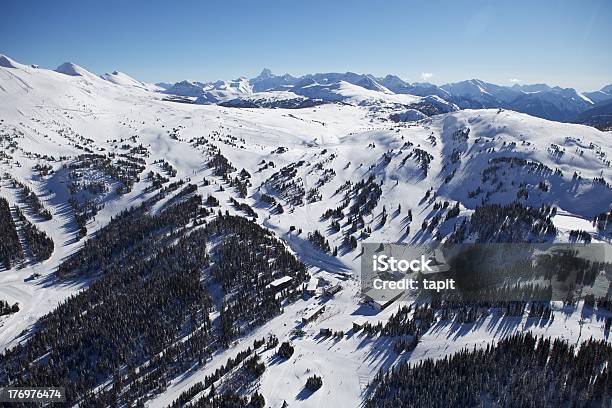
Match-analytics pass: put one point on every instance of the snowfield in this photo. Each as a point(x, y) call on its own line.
point(70, 111)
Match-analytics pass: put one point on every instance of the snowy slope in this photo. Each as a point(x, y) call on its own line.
point(122, 79)
point(60, 113)
point(343, 91)
point(7, 62)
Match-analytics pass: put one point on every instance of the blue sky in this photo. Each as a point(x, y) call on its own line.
point(567, 43)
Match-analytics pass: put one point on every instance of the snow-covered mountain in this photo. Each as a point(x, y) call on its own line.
point(343, 91)
point(527, 88)
point(602, 95)
point(123, 79)
point(267, 81)
point(68, 68)
point(599, 116)
point(212, 92)
point(7, 62)
point(394, 84)
point(554, 104)
point(539, 100)
point(475, 93)
point(171, 225)
point(186, 88)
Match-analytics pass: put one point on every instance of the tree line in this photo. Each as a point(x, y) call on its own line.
point(519, 371)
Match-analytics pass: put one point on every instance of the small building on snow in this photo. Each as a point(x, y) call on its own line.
point(281, 283)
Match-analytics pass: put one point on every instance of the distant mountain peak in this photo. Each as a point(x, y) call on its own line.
point(265, 74)
point(532, 87)
point(393, 81)
point(393, 77)
point(123, 79)
point(69, 68)
point(603, 95)
point(607, 89)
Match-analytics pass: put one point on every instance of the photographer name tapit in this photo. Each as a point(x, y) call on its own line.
point(413, 284)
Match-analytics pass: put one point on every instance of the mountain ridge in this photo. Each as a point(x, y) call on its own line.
point(540, 100)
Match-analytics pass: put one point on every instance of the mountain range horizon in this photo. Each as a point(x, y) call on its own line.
point(269, 73)
point(421, 99)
